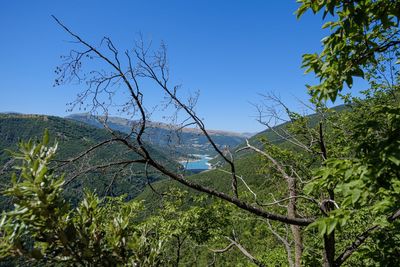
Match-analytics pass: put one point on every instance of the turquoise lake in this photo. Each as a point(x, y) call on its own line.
point(201, 164)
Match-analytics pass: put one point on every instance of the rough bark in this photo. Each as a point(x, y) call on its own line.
point(296, 231)
point(329, 239)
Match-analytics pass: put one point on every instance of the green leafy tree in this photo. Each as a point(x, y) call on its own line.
point(363, 34)
point(366, 180)
point(360, 31)
point(43, 227)
point(190, 228)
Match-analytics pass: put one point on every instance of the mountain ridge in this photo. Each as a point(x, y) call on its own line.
point(182, 140)
point(163, 125)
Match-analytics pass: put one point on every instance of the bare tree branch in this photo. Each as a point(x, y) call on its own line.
point(246, 253)
point(285, 243)
point(148, 69)
point(64, 162)
point(104, 166)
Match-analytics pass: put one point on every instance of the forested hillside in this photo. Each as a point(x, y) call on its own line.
point(73, 139)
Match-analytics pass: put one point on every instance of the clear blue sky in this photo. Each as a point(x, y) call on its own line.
point(230, 50)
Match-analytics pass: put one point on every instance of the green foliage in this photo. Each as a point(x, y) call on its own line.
point(365, 180)
point(42, 226)
point(188, 223)
point(359, 31)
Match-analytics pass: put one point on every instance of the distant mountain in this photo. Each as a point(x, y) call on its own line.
point(185, 141)
point(248, 135)
point(10, 113)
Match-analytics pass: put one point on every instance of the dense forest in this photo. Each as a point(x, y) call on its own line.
point(317, 189)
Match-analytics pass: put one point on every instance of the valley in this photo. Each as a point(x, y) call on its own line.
point(180, 140)
point(77, 135)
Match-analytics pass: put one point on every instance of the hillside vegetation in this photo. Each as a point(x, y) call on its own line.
point(74, 138)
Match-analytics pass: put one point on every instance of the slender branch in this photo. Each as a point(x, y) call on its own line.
point(355, 245)
point(243, 181)
point(292, 197)
point(285, 243)
point(361, 239)
point(322, 143)
point(223, 250)
point(136, 97)
point(64, 162)
point(234, 243)
point(109, 187)
point(277, 165)
point(246, 253)
point(104, 166)
point(146, 172)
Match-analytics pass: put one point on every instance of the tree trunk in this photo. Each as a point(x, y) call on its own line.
point(178, 250)
point(329, 250)
point(329, 240)
point(296, 231)
point(298, 245)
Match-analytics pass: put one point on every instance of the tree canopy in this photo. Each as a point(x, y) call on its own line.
point(359, 32)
